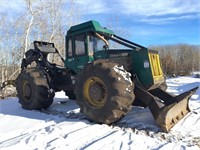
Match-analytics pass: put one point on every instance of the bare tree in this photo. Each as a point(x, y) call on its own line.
point(33, 9)
point(59, 17)
point(179, 59)
point(41, 20)
point(3, 40)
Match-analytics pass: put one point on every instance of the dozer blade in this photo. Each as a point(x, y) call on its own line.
point(174, 110)
point(166, 109)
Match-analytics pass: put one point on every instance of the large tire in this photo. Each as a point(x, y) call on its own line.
point(104, 91)
point(33, 89)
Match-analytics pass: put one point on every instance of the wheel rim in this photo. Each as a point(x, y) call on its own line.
point(95, 92)
point(26, 90)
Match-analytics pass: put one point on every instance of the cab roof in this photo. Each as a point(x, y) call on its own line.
point(92, 25)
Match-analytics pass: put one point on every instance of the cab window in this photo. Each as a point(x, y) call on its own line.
point(95, 44)
point(80, 44)
point(70, 47)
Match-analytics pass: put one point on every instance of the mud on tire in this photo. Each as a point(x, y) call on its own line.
point(33, 89)
point(104, 91)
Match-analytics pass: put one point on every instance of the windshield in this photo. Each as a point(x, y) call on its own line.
point(114, 45)
point(97, 42)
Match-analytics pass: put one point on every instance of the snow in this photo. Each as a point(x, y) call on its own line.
point(63, 127)
point(121, 71)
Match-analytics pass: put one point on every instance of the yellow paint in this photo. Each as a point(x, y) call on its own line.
point(155, 67)
point(86, 92)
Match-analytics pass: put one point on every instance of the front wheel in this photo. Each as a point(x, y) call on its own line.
point(33, 89)
point(104, 91)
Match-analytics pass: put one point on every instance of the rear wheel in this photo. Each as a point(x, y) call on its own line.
point(33, 89)
point(104, 91)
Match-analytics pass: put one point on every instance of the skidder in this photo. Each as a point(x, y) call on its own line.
point(104, 73)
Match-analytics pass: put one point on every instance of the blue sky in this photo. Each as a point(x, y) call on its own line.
point(147, 22)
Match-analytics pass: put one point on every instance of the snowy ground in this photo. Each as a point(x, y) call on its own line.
point(63, 127)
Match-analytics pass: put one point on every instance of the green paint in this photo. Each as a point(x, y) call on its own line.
point(140, 58)
point(141, 67)
point(88, 26)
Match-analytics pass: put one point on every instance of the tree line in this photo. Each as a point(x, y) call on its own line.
point(179, 59)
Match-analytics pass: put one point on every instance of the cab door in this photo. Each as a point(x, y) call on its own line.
point(76, 52)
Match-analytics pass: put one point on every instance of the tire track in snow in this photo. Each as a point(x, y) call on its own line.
point(90, 136)
point(30, 137)
point(90, 140)
point(62, 135)
point(159, 146)
point(137, 128)
point(86, 136)
point(93, 141)
point(74, 131)
point(24, 136)
point(197, 120)
point(13, 141)
point(46, 130)
point(117, 139)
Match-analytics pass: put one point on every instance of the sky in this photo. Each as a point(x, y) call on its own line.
point(147, 22)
